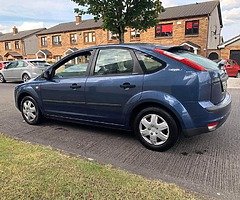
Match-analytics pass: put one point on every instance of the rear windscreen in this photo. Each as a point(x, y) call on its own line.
point(206, 63)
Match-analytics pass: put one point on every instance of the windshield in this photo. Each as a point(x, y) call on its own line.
point(206, 63)
point(40, 63)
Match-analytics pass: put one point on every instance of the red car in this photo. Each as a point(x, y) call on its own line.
point(3, 64)
point(231, 66)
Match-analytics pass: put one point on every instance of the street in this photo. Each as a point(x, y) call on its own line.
point(208, 164)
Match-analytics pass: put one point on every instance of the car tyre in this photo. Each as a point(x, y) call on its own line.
point(156, 129)
point(30, 111)
point(25, 78)
point(2, 79)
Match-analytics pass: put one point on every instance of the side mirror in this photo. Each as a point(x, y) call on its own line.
point(46, 75)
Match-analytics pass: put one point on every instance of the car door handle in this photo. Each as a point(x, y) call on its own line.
point(75, 86)
point(127, 86)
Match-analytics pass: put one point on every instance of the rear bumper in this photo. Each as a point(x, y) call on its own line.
point(213, 113)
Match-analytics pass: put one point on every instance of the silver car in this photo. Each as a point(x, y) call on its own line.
point(23, 70)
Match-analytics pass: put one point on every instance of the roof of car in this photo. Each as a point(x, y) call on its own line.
point(137, 46)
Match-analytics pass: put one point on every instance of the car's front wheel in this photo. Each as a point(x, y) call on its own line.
point(30, 111)
point(156, 129)
point(2, 79)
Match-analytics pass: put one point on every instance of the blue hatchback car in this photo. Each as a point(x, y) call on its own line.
point(158, 92)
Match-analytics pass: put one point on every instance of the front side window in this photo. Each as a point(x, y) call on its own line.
point(149, 63)
point(44, 41)
point(135, 34)
point(192, 27)
point(114, 61)
point(56, 40)
point(73, 38)
point(8, 46)
point(74, 67)
point(89, 37)
point(12, 65)
point(164, 30)
point(17, 45)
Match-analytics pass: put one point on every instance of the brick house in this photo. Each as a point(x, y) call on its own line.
point(231, 49)
point(197, 26)
point(19, 45)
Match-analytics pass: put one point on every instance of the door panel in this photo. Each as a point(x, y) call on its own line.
point(64, 94)
point(113, 83)
point(61, 98)
point(9, 71)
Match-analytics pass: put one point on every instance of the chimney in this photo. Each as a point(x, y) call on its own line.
point(78, 19)
point(15, 30)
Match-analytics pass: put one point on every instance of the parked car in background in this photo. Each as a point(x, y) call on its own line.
point(231, 66)
point(158, 92)
point(3, 64)
point(23, 70)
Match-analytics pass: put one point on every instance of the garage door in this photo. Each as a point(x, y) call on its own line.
point(235, 55)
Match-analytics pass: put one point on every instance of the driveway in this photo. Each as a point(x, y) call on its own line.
point(208, 164)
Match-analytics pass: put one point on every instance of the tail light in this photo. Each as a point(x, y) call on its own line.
point(212, 126)
point(181, 59)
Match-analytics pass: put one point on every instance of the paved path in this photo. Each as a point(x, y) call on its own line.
point(208, 164)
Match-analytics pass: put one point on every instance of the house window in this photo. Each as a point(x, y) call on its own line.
point(192, 27)
point(44, 41)
point(8, 45)
point(57, 58)
point(73, 38)
point(56, 40)
point(135, 34)
point(17, 45)
point(113, 36)
point(89, 37)
point(164, 30)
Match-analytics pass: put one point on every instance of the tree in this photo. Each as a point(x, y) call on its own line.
point(118, 15)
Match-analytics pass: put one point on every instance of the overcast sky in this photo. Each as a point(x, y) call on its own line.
point(30, 14)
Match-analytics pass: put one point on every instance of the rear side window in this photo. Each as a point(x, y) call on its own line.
point(149, 63)
point(205, 62)
point(39, 63)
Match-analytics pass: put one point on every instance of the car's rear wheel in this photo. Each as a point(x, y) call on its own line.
point(156, 129)
point(25, 78)
point(30, 111)
point(2, 79)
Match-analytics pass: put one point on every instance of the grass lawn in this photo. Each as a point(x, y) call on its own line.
point(34, 172)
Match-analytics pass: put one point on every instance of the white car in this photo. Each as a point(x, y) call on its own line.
point(23, 70)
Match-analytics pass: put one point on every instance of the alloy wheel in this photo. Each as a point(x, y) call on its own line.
point(154, 129)
point(29, 110)
point(26, 78)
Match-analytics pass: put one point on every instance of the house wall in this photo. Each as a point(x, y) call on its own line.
point(225, 53)
point(214, 31)
point(31, 45)
point(148, 36)
point(179, 36)
point(3, 51)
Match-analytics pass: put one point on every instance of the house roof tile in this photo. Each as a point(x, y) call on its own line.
point(19, 35)
point(190, 10)
point(72, 26)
